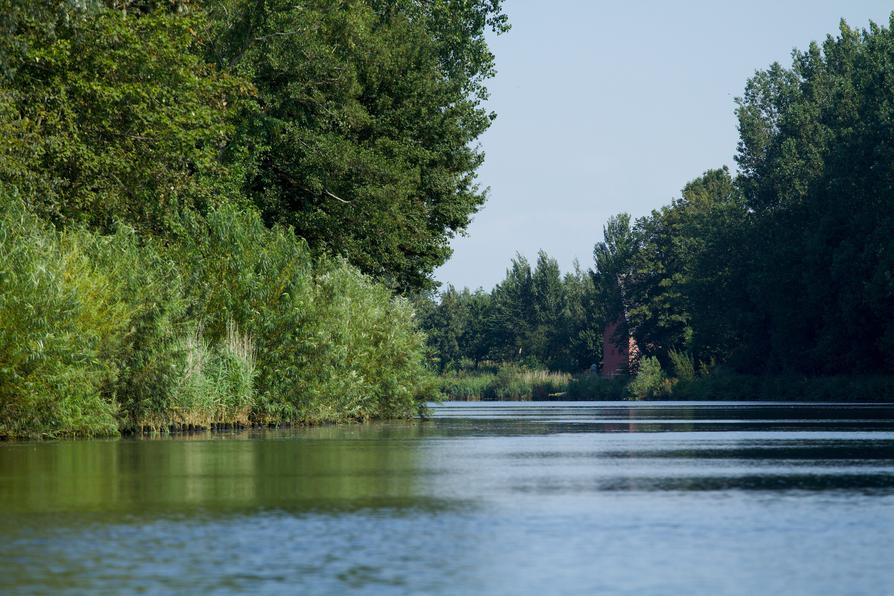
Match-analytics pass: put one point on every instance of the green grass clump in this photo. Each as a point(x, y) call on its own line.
point(509, 382)
point(465, 386)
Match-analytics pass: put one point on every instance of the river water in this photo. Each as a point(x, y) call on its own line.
point(502, 498)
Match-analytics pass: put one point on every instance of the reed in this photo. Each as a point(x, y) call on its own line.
point(508, 383)
point(229, 323)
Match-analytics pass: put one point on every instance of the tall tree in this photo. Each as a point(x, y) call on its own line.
point(817, 162)
point(367, 114)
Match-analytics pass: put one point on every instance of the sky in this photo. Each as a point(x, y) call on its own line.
point(604, 107)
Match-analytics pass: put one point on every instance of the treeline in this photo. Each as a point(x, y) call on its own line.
point(206, 206)
point(789, 266)
point(784, 269)
point(535, 317)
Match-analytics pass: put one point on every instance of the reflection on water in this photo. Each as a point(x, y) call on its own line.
point(499, 498)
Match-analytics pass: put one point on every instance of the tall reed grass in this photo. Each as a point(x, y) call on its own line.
point(230, 322)
point(508, 383)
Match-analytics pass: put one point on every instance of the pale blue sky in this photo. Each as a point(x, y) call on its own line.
point(613, 106)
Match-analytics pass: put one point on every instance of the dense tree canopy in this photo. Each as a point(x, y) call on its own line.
point(535, 316)
point(106, 116)
point(789, 266)
point(354, 122)
point(366, 115)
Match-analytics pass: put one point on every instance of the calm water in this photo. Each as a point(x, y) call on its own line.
point(496, 498)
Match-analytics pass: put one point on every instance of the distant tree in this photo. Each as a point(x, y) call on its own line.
point(513, 313)
point(476, 341)
point(817, 170)
point(613, 258)
point(582, 334)
point(549, 341)
point(670, 242)
point(445, 323)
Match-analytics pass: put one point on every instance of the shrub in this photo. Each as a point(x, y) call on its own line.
point(232, 323)
point(331, 343)
point(682, 365)
point(592, 387)
point(650, 381)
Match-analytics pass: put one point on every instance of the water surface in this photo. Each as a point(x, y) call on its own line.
point(505, 498)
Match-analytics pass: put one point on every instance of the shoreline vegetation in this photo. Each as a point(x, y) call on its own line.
point(511, 383)
point(206, 220)
point(772, 282)
point(234, 324)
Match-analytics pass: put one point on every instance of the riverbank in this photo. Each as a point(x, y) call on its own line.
point(515, 384)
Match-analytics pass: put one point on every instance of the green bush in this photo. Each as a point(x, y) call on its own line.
point(650, 381)
point(331, 343)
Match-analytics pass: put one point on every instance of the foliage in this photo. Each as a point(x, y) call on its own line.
point(353, 122)
point(650, 381)
point(594, 387)
point(732, 386)
point(216, 383)
point(816, 155)
point(465, 386)
point(331, 343)
point(535, 317)
point(362, 135)
point(786, 268)
point(55, 314)
point(233, 324)
point(682, 365)
point(507, 383)
point(108, 116)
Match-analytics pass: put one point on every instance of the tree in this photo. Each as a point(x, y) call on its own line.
point(549, 329)
point(816, 156)
point(670, 243)
point(513, 312)
point(112, 115)
point(613, 258)
point(366, 117)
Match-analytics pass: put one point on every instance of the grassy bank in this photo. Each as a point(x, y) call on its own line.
point(507, 383)
point(511, 383)
point(229, 322)
point(517, 384)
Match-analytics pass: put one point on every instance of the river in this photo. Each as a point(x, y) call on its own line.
point(502, 498)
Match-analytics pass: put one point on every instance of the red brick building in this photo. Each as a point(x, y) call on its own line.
point(617, 360)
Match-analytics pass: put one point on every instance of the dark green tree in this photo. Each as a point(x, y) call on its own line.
point(671, 244)
point(513, 313)
point(816, 157)
point(366, 116)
